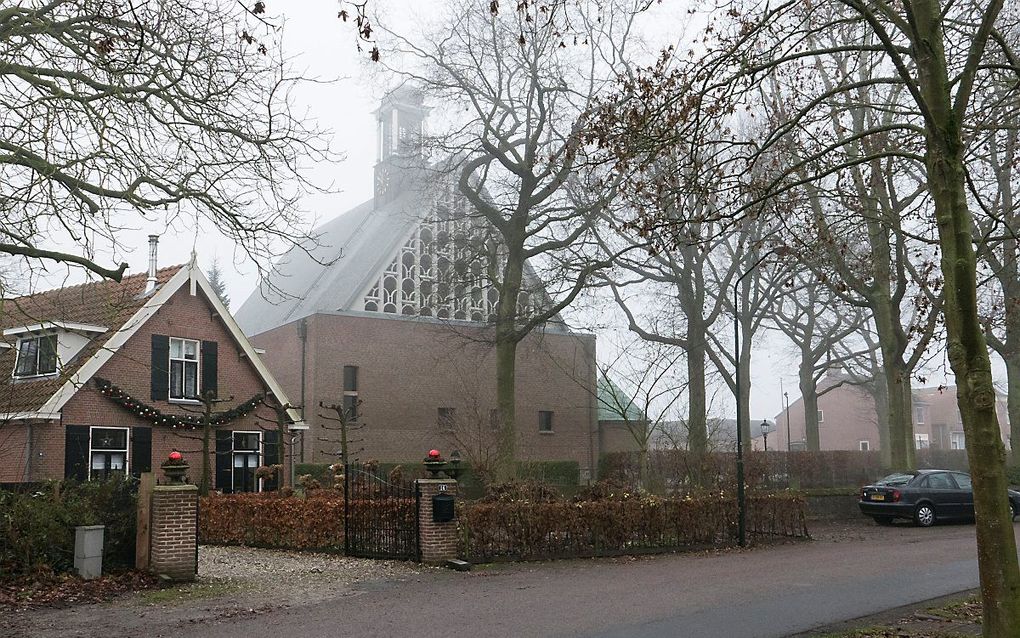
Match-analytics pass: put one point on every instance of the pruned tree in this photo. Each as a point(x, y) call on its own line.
point(117, 109)
point(942, 54)
point(340, 425)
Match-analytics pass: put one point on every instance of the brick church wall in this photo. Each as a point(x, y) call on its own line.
point(410, 368)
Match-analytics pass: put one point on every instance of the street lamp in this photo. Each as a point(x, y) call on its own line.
point(766, 427)
point(738, 391)
point(789, 440)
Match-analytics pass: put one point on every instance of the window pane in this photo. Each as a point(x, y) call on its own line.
point(98, 461)
point(545, 421)
point(351, 407)
point(176, 379)
point(109, 439)
point(191, 379)
point(246, 441)
point(176, 349)
point(27, 350)
point(47, 354)
point(117, 461)
point(350, 378)
point(191, 350)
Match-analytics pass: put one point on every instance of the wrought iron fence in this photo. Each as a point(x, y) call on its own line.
point(380, 514)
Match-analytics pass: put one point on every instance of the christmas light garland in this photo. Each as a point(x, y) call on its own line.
point(157, 417)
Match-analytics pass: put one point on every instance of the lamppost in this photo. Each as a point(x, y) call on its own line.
point(738, 393)
point(789, 440)
point(766, 427)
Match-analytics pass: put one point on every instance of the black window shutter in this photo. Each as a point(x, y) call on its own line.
point(224, 447)
point(160, 367)
point(76, 452)
point(141, 450)
point(271, 456)
point(209, 368)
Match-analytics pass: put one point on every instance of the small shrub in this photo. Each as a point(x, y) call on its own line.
point(37, 527)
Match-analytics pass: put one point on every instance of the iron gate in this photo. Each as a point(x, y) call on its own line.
point(380, 514)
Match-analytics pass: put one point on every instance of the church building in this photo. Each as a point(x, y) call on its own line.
point(390, 314)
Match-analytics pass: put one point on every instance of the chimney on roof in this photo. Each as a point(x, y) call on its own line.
point(150, 281)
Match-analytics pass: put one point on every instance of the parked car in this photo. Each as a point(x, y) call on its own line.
point(924, 496)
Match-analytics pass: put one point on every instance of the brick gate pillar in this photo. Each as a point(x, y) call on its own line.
point(174, 532)
point(437, 541)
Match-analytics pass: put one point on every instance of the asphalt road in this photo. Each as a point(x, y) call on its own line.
point(762, 593)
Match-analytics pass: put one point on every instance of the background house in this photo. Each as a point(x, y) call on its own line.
point(848, 420)
point(104, 377)
point(390, 314)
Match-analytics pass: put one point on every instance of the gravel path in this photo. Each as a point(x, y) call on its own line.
point(294, 576)
point(233, 583)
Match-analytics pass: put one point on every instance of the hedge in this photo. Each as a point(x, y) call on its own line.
point(528, 530)
point(315, 522)
point(37, 525)
point(671, 471)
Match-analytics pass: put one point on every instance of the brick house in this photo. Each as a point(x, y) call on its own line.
point(104, 377)
point(848, 420)
point(380, 315)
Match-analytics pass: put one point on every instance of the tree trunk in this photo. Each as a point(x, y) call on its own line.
point(697, 406)
point(902, 447)
point(1013, 405)
point(505, 466)
point(967, 349)
point(809, 394)
point(747, 338)
point(880, 393)
point(897, 382)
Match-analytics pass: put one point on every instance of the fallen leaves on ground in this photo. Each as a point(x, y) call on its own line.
point(65, 590)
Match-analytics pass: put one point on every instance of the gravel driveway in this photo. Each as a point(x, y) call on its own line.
point(233, 583)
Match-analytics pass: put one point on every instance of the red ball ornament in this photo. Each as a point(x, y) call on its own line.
point(175, 456)
point(434, 454)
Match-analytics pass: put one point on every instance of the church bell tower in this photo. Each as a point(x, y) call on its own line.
point(399, 123)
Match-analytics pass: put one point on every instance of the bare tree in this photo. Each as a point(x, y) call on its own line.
point(942, 54)
point(163, 110)
point(516, 96)
point(816, 323)
point(642, 388)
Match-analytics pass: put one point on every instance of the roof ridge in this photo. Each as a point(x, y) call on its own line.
point(99, 282)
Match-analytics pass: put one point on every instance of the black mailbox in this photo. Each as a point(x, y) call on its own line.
point(443, 508)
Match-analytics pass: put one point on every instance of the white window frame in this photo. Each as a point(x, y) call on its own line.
point(185, 362)
point(821, 415)
point(919, 415)
point(957, 441)
point(921, 441)
point(260, 452)
point(56, 357)
point(864, 446)
point(127, 447)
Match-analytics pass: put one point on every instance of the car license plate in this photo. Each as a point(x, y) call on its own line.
point(878, 497)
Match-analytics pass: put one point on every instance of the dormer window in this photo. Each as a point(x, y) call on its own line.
point(184, 369)
point(37, 356)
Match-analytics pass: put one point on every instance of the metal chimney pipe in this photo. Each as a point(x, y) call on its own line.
point(150, 281)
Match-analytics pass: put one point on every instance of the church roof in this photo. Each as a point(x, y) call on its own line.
point(328, 276)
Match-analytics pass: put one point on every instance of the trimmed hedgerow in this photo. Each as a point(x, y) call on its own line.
point(315, 522)
point(618, 523)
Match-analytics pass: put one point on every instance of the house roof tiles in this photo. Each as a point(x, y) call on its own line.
point(106, 303)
